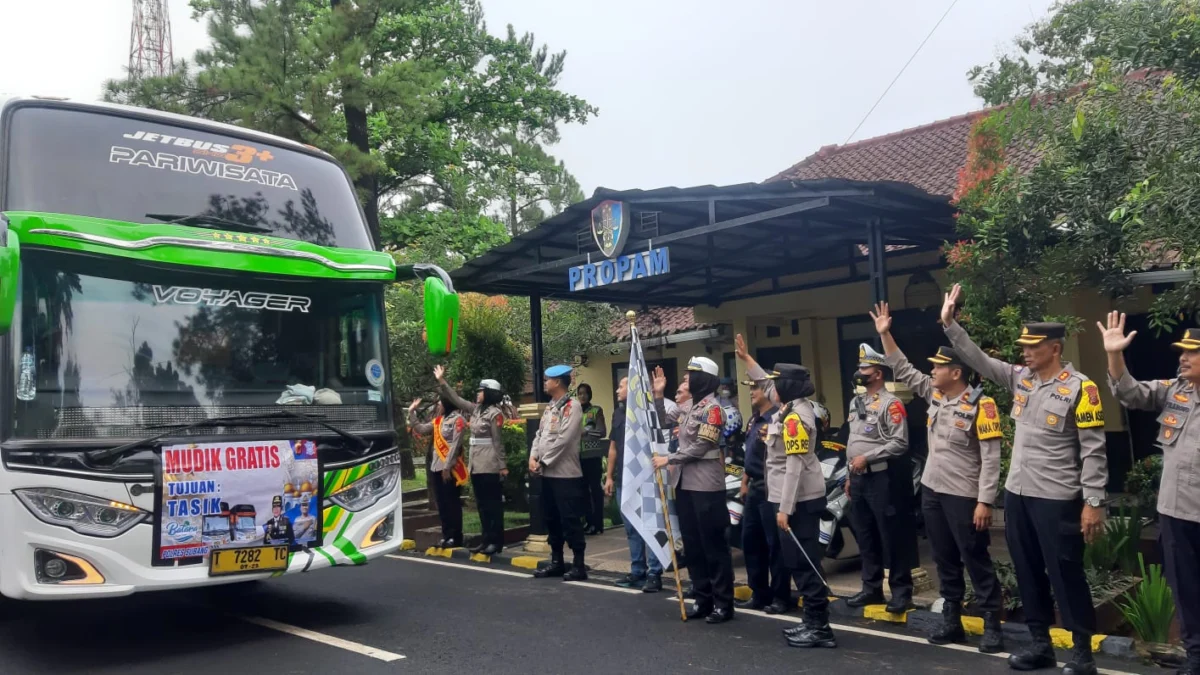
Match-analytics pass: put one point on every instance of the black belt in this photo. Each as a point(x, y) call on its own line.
point(878, 466)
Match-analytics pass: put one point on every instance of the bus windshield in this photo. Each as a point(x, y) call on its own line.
point(107, 165)
point(108, 349)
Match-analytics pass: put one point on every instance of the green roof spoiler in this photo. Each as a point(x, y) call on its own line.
point(441, 306)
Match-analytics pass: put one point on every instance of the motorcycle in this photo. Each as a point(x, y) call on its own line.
point(836, 537)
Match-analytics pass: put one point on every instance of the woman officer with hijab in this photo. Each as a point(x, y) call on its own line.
point(486, 461)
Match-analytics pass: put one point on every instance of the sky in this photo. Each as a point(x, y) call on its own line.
point(690, 92)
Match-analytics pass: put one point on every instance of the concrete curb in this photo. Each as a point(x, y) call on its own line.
point(917, 621)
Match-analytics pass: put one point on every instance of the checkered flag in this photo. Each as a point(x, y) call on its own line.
point(644, 438)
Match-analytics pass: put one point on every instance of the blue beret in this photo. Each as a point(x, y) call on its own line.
point(558, 371)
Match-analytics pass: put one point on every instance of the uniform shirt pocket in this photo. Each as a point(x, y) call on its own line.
point(1170, 428)
point(1054, 414)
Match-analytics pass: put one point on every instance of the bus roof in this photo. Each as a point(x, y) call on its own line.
point(7, 100)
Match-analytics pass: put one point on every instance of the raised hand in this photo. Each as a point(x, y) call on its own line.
point(739, 347)
point(951, 301)
point(413, 406)
point(882, 316)
point(659, 382)
point(1115, 339)
point(439, 372)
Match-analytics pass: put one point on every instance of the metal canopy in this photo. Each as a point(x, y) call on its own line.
point(722, 239)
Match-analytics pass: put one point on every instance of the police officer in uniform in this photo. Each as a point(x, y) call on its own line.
point(881, 517)
point(766, 573)
point(796, 488)
point(278, 529)
point(555, 456)
point(698, 478)
point(1056, 483)
point(1179, 438)
point(961, 479)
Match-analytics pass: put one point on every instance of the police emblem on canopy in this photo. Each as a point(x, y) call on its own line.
point(610, 226)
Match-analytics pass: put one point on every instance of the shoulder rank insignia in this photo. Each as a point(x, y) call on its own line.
point(1064, 376)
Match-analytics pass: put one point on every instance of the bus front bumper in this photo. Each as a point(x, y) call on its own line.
point(122, 564)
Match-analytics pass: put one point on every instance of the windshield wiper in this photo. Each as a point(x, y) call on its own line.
point(119, 450)
point(207, 221)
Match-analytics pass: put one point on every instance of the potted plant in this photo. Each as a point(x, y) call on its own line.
point(1150, 608)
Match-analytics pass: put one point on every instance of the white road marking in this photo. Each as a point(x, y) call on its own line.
point(785, 618)
point(896, 636)
point(330, 640)
point(523, 575)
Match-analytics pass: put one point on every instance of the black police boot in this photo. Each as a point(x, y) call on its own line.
point(864, 598)
point(578, 572)
point(630, 581)
point(992, 641)
point(1036, 656)
point(699, 610)
point(900, 603)
point(478, 548)
point(720, 615)
point(1081, 662)
point(778, 607)
point(653, 583)
point(754, 602)
point(689, 593)
point(556, 568)
point(795, 630)
point(491, 549)
point(951, 629)
point(816, 633)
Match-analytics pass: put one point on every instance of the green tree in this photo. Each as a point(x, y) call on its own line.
point(1079, 37)
point(400, 91)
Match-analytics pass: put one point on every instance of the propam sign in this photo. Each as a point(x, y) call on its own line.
point(236, 495)
point(622, 268)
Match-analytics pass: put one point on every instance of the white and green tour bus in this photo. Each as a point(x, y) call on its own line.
point(194, 381)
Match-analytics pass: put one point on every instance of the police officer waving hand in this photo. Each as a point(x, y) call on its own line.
point(1056, 483)
point(882, 520)
point(1179, 438)
point(698, 477)
point(961, 480)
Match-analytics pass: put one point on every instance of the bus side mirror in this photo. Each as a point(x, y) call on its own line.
point(441, 306)
point(10, 270)
point(441, 317)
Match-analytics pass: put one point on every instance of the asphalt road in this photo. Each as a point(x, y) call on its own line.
point(398, 616)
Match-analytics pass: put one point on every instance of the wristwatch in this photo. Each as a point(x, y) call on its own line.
point(1094, 502)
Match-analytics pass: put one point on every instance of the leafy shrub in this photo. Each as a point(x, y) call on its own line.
point(1142, 483)
point(516, 457)
point(1151, 607)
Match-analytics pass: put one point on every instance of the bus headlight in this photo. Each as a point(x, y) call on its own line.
point(93, 516)
point(365, 492)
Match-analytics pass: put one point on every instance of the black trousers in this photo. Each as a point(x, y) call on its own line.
point(766, 572)
point(562, 505)
point(489, 497)
point(805, 523)
point(1180, 540)
point(950, 523)
point(1047, 551)
point(703, 519)
point(593, 477)
point(885, 532)
point(449, 503)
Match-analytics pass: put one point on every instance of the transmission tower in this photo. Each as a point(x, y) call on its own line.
point(150, 53)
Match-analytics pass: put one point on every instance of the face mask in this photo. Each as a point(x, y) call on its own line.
point(861, 379)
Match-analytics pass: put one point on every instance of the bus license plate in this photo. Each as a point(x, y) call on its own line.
point(250, 559)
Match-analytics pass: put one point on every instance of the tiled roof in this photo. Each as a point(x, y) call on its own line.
point(929, 157)
point(658, 322)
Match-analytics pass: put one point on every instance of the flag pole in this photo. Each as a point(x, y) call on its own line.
point(662, 496)
point(662, 493)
